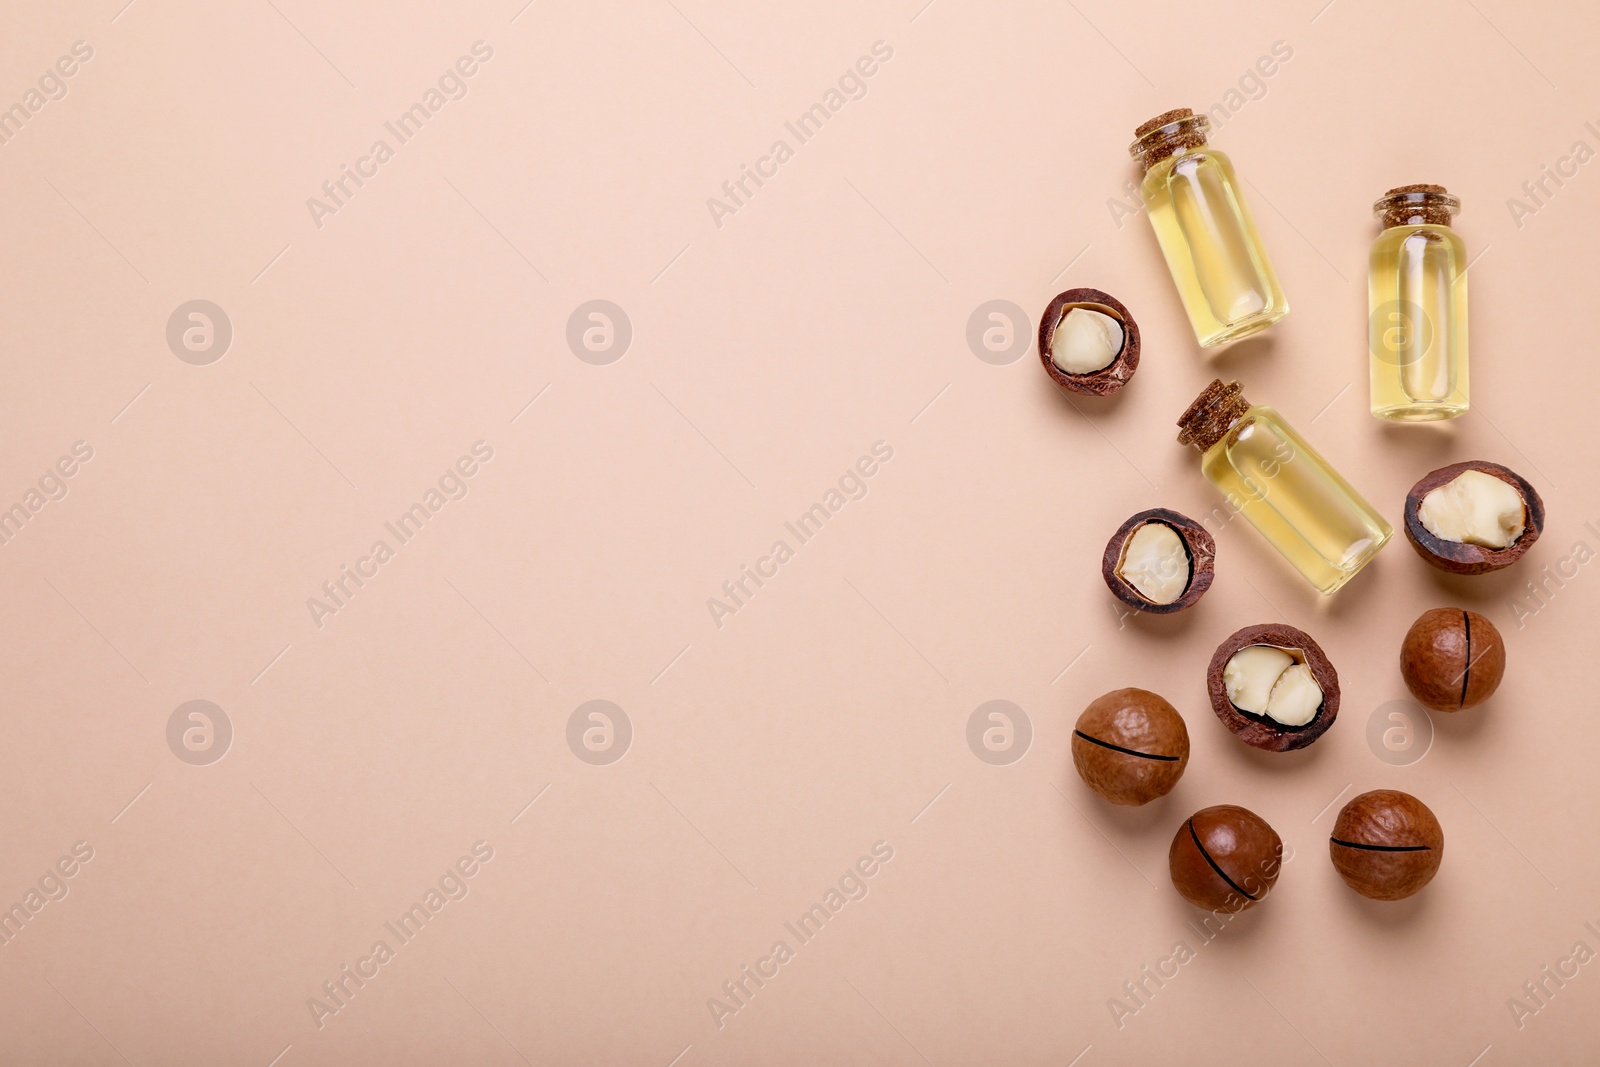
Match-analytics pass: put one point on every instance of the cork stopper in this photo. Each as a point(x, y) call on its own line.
point(1166, 118)
point(1416, 204)
point(1168, 133)
point(1216, 409)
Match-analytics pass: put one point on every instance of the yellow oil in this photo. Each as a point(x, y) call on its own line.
point(1283, 488)
point(1211, 246)
point(1417, 291)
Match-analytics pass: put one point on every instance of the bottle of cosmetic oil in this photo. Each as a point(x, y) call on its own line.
point(1278, 482)
point(1206, 233)
point(1417, 291)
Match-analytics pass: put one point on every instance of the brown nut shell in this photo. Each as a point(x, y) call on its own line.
point(1386, 844)
point(1197, 542)
point(1225, 858)
point(1452, 659)
point(1130, 746)
point(1259, 731)
point(1107, 379)
point(1459, 558)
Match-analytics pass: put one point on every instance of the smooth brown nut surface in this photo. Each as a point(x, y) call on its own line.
point(1260, 730)
point(1130, 746)
point(1225, 858)
point(1198, 564)
point(1458, 557)
point(1108, 379)
point(1452, 659)
point(1386, 844)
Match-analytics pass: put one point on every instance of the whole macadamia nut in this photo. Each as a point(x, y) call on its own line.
point(1225, 858)
point(1130, 746)
point(1452, 659)
point(1386, 844)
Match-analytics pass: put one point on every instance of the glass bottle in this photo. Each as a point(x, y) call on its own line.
point(1417, 295)
point(1271, 476)
point(1206, 233)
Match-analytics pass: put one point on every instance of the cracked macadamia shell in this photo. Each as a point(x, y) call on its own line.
point(1460, 557)
point(1198, 545)
point(1130, 746)
point(1113, 376)
point(1259, 730)
point(1452, 659)
point(1225, 858)
point(1386, 844)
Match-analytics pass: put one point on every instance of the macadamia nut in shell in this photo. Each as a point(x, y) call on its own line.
point(1386, 844)
point(1225, 858)
point(1273, 686)
point(1159, 562)
point(1088, 342)
point(1130, 746)
point(1473, 517)
point(1452, 659)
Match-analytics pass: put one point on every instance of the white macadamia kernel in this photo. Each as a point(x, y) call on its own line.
point(1295, 697)
point(1251, 673)
point(1474, 508)
point(1085, 341)
point(1267, 680)
point(1155, 563)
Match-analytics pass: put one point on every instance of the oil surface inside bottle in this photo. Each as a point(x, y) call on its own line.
point(1211, 246)
point(1418, 324)
point(1272, 477)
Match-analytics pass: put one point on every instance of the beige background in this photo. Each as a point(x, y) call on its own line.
point(767, 755)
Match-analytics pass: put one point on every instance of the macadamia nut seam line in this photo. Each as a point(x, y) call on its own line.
point(1220, 872)
point(1381, 848)
point(1466, 671)
point(1124, 751)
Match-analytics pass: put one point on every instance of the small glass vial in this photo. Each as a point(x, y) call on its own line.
point(1271, 476)
point(1206, 233)
point(1417, 295)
